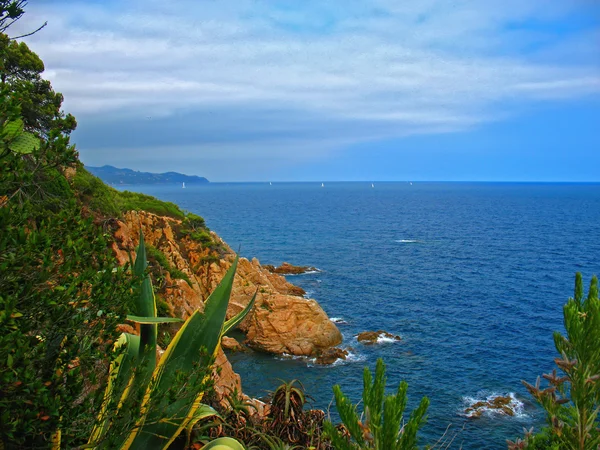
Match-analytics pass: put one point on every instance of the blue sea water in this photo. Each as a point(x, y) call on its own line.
point(473, 276)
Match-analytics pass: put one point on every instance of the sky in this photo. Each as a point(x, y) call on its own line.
point(306, 90)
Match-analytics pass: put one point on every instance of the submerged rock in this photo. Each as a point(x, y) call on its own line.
point(374, 337)
point(289, 269)
point(331, 355)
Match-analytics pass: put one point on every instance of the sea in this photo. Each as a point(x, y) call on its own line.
point(472, 276)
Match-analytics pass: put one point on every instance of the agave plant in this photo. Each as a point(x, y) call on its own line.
point(286, 413)
point(383, 426)
point(148, 405)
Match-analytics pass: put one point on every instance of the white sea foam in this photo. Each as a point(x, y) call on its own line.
point(309, 294)
point(408, 241)
point(381, 339)
point(308, 272)
point(515, 405)
point(338, 320)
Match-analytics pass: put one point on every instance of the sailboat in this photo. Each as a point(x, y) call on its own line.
point(372, 185)
point(183, 185)
point(322, 184)
point(270, 184)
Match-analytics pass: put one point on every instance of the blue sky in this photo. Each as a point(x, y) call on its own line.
point(251, 90)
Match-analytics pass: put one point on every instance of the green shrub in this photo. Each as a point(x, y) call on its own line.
point(134, 201)
point(572, 398)
point(384, 426)
point(111, 202)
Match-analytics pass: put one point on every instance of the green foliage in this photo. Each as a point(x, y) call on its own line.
point(94, 193)
point(160, 258)
point(193, 222)
point(10, 12)
point(60, 301)
point(40, 105)
point(111, 202)
point(572, 398)
point(148, 405)
point(224, 443)
point(129, 201)
point(382, 425)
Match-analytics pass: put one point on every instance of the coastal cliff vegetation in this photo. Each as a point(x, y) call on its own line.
point(82, 333)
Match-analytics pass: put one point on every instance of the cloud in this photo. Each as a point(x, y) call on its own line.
point(299, 81)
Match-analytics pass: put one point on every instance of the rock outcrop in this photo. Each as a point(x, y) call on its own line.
point(331, 355)
point(375, 337)
point(289, 269)
point(282, 320)
point(506, 405)
point(231, 344)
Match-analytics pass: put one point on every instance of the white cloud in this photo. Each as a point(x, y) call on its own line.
point(334, 73)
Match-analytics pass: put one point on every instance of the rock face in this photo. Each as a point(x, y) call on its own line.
point(374, 337)
point(292, 325)
point(282, 321)
point(289, 269)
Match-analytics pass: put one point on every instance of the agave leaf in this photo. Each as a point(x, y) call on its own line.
point(202, 412)
point(118, 380)
point(153, 320)
point(141, 258)
point(24, 143)
point(146, 307)
point(235, 321)
point(191, 351)
point(224, 443)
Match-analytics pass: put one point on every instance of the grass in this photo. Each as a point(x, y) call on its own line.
point(111, 202)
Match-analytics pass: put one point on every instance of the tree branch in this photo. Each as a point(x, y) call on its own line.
point(29, 34)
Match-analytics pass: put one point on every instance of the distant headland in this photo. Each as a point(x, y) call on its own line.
point(115, 176)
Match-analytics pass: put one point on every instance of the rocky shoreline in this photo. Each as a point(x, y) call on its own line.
point(282, 320)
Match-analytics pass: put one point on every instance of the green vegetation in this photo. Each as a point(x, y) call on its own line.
point(111, 202)
point(60, 297)
point(148, 405)
point(384, 426)
point(572, 398)
point(160, 258)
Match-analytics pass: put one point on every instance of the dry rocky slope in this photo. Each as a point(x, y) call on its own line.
point(282, 320)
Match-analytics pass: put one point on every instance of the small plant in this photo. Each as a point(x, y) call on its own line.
point(382, 425)
point(286, 413)
point(572, 398)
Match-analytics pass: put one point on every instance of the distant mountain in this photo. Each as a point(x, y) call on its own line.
point(112, 175)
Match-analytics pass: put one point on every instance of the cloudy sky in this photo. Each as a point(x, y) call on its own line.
point(249, 90)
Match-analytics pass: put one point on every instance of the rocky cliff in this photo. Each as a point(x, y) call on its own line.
point(282, 320)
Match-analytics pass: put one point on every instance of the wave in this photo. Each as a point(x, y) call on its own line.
point(308, 294)
point(381, 339)
point(409, 241)
point(493, 405)
point(338, 320)
point(310, 361)
point(308, 272)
